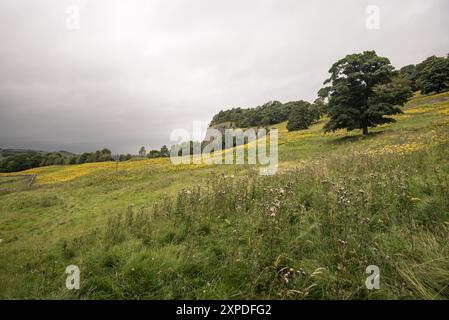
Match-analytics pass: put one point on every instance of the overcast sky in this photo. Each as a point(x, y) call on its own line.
point(135, 70)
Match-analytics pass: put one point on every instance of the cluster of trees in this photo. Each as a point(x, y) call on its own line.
point(269, 113)
point(28, 159)
point(163, 152)
point(31, 159)
point(97, 156)
point(303, 114)
point(124, 157)
point(431, 75)
point(24, 160)
point(300, 114)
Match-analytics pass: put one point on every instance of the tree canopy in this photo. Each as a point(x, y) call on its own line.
point(272, 112)
point(363, 90)
point(431, 75)
point(434, 76)
point(302, 116)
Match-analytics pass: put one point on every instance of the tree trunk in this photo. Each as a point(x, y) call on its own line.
point(365, 130)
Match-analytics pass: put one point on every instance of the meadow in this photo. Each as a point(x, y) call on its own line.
point(146, 229)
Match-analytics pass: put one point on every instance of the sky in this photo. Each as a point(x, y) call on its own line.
point(80, 75)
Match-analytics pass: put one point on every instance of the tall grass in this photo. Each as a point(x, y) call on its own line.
point(306, 233)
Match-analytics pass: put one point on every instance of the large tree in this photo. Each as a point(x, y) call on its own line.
point(363, 89)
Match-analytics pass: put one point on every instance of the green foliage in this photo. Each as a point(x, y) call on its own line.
point(164, 151)
point(31, 159)
point(431, 75)
point(83, 158)
point(272, 112)
point(362, 92)
point(125, 157)
point(302, 116)
point(410, 73)
point(434, 76)
point(97, 156)
point(394, 93)
point(154, 154)
point(74, 160)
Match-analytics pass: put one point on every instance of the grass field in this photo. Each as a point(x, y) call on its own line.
point(148, 229)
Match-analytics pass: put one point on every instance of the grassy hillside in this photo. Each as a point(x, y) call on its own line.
point(148, 229)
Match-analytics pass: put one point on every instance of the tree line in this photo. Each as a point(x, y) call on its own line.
point(12, 162)
point(31, 159)
point(270, 113)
